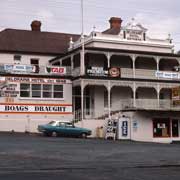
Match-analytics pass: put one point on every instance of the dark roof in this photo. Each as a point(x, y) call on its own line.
point(113, 31)
point(24, 41)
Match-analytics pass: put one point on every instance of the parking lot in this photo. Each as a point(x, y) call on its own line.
point(25, 157)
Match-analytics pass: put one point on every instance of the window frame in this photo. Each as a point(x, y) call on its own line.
point(41, 89)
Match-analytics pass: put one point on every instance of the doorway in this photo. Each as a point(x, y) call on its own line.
point(175, 128)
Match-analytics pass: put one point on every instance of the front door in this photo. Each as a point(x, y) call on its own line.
point(175, 128)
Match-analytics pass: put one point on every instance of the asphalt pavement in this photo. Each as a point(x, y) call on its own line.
point(32, 157)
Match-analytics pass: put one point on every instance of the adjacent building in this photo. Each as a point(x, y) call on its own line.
point(124, 74)
point(33, 92)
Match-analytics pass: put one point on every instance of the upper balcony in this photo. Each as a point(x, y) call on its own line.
point(35, 70)
point(127, 66)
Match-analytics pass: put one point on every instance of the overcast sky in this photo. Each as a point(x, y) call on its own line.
point(160, 17)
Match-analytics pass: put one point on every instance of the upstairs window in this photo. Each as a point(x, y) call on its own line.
point(17, 59)
point(35, 62)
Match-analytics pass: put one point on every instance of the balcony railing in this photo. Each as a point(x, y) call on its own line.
point(128, 104)
point(147, 104)
point(76, 72)
point(35, 69)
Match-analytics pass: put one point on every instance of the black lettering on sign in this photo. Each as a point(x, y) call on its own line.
point(50, 108)
point(16, 108)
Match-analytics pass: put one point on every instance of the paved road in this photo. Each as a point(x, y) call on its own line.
point(24, 157)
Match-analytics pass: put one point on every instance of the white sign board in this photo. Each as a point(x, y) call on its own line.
point(167, 75)
point(36, 108)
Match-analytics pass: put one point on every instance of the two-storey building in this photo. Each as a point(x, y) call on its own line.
point(123, 73)
point(33, 92)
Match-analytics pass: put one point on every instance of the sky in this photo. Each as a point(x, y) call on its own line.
point(160, 17)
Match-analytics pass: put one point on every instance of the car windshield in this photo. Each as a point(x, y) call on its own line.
point(52, 123)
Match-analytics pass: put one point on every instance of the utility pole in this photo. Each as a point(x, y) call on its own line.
point(82, 60)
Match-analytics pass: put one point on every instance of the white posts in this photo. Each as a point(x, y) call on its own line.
point(82, 102)
point(157, 63)
point(108, 59)
point(158, 92)
point(133, 61)
point(134, 94)
point(109, 100)
point(72, 64)
point(82, 64)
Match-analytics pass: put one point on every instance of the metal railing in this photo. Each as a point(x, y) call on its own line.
point(76, 72)
point(127, 104)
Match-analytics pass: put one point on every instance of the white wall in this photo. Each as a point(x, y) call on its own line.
point(25, 122)
point(25, 59)
point(92, 125)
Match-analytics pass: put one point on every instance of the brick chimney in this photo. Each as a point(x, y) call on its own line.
point(115, 22)
point(36, 25)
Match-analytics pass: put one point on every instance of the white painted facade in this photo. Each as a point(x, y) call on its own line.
point(25, 58)
point(139, 93)
point(27, 121)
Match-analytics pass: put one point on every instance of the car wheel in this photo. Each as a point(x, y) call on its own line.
point(84, 135)
point(47, 134)
point(54, 134)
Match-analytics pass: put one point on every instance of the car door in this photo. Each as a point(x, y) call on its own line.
point(71, 130)
point(60, 128)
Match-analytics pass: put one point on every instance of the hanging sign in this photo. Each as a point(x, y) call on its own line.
point(114, 72)
point(56, 70)
point(19, 68)
point(97, 71)
point(167, 75)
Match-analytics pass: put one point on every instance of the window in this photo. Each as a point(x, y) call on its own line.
point(35, 62)
point(17, 59)
point(58, 91)
point(161, 128)
point(24, 90)
point(47, 91)
point(36, 90)
point(41, 91)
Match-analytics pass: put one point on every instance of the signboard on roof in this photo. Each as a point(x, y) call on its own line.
point(134, 35)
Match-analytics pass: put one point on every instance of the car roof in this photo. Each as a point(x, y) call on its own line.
point(62, 121)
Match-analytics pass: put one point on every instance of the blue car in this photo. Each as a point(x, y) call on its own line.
point(59, 128)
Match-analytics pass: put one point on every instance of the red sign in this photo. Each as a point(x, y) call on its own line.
point(56, 70)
